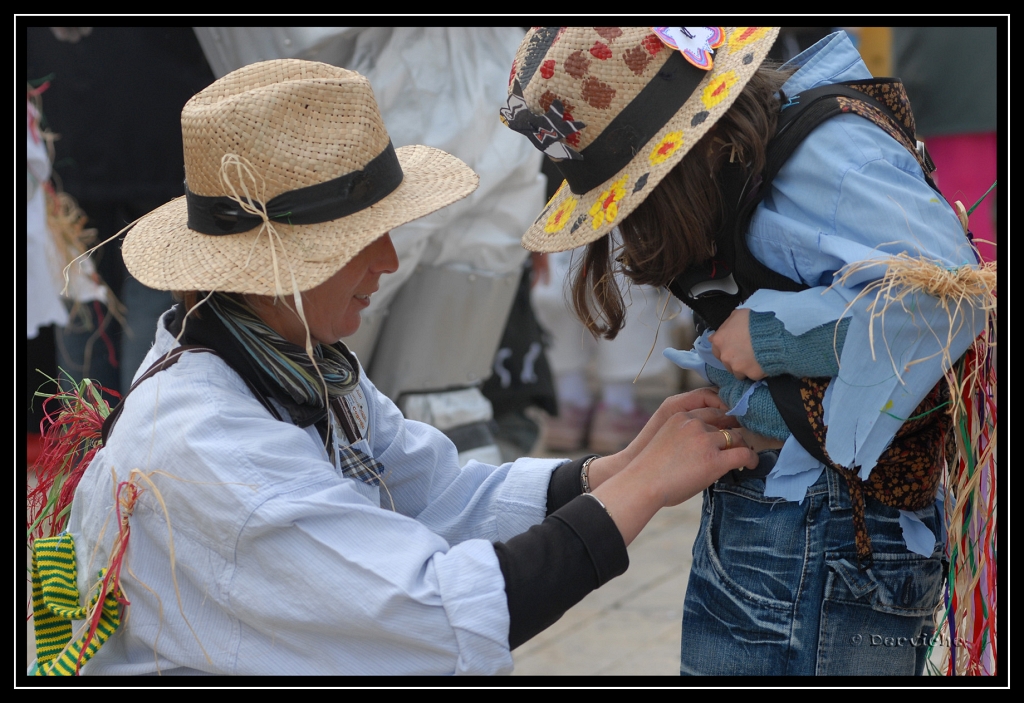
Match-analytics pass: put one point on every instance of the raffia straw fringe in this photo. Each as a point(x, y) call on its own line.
point(125, 507)
point(66, 221)
point(971, 287)
point(970, 515)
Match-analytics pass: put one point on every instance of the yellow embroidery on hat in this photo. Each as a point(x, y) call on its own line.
point(606, 208)
point(743, 36)
point(560, 216)
point(666, 147)
point(717, 90)
point(562, 186)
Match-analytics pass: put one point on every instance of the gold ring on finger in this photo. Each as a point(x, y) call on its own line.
point(728, 439)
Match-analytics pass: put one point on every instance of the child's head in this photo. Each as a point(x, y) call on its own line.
point(671, 230)
point(637, 118)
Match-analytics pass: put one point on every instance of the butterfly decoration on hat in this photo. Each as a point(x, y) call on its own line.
point(546, 131)
point(696, 44)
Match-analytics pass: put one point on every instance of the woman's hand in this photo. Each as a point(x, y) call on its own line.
point(684, 456)
point(703, 401)
point(731, 345)
point(687, 455)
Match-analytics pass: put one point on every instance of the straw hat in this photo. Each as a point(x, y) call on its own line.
point(289, 173)
point(617, 108)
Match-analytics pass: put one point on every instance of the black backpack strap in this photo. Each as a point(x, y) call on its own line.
point(880, 100)
point(786, 394)
point(165, 362)
point(734, 273)
point(714, 288)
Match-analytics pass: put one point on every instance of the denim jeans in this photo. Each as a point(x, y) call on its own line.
point(774, 588)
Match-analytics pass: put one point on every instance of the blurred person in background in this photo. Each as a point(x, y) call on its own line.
point(595, 378)
point(951, 74)
point(461, 268)
point(114, 101)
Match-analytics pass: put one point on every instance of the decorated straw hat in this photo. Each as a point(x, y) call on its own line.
point(616, 108)
point(289, 173)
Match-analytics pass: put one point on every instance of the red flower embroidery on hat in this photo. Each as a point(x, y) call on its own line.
point(576, 65)
point(574, 138)
point(652, 44)
point(609, 33)
point(596, 93)
point(636, 59)
point(606, 207)
point(718, 89)
point(547, 69)
point(560, 217)
point(512, 73)
point(600, 51)
point(666, 147)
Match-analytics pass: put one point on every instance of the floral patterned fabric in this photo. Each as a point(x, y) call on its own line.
point(907, 474)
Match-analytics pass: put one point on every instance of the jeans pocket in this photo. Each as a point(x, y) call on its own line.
point(757, 546)
point(739, 606)
point(879, 621)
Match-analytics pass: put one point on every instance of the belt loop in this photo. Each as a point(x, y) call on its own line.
point(838, 491)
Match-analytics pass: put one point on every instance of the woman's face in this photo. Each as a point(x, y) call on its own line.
point(332, 308)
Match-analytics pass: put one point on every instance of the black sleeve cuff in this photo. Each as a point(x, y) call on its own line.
point(565, 484)
point(553, 565)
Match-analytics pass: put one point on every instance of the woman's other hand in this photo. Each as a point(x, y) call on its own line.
point(685, 456)
point(703, 401)
point(688, 454)
point(731, 345)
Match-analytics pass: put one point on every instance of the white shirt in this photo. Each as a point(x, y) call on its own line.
point(282, 565)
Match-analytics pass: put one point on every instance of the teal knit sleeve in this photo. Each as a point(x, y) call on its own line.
point(814, 353)
point(761, 416)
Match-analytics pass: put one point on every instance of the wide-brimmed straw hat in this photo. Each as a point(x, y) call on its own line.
point(289, 173)
point(616, 108)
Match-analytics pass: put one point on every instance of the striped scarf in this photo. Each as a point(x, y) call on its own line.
point(277, 367)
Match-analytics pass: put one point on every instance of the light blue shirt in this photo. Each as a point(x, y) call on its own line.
point(850, 193)
point(250, 552)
